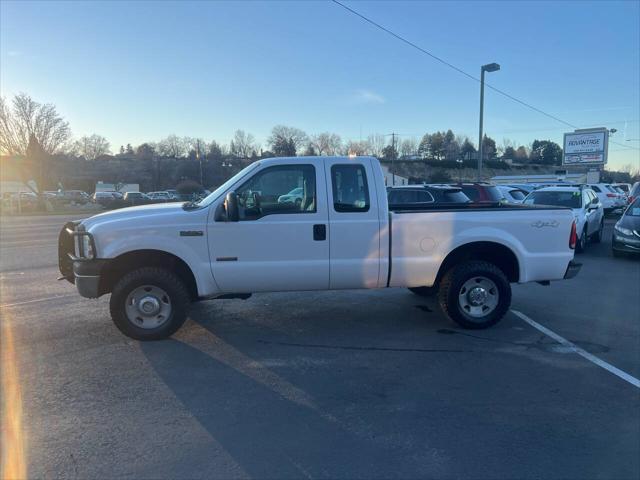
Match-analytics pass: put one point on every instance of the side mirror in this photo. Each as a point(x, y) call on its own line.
point(231, 207)
point(594, 201)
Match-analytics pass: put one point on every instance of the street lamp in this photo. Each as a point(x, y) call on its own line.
point(491, 67)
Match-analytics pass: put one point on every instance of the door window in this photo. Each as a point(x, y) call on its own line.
point(350, 189)
point(281, 189)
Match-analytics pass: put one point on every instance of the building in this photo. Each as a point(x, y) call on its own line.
point(391, 179)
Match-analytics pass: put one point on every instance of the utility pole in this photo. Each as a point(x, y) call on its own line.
point(393, 155)
point(199, 157)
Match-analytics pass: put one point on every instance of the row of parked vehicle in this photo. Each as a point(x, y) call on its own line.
point(589, 202)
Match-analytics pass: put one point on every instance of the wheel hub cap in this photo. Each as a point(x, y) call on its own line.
point(148, 305)
point(478, 297)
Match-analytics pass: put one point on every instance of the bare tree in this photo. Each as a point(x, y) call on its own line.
point(281, 134)
point(408, 147)
point(28, 117)
point(174, 146)
point(325, 143)
point(91, 147)
point(356, 148)
point(377, 142)
point(243, 144)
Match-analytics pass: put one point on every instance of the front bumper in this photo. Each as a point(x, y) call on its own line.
point(572, 269)
point(84, 273)
point(625, 243)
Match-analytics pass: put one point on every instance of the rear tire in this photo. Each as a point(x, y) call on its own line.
point(423, 291)
point(165, 295)
point(475, 294)
point(597, 238)
point(582, 241)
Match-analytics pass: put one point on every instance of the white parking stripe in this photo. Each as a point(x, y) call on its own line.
point(583, 353)
point(6, 305)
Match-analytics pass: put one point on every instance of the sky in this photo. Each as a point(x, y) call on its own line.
point(139, 71)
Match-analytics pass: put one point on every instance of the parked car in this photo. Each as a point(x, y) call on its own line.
point(156, 259)
point(162, 196)
point(136, 198)
point(525, 187)
point(423, 195)
point(294, 196)
point(626, 232)
point(105, 198)
point(481, 192)
point(512, 194)
point(620, 199)
point(587, 210)
point(173, 194)
point(625, 187)
point(77, 196)
point(608, 198)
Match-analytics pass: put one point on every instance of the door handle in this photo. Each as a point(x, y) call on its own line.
point(320, 232)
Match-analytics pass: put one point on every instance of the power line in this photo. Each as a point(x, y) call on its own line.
point(459, 70)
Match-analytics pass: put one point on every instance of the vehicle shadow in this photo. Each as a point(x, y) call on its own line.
point(268, 426)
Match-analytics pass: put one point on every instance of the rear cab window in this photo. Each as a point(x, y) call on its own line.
point(350, 188)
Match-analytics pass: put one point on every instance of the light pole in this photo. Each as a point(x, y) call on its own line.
point(490, 67)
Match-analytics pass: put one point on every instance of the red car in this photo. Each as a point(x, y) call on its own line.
point(480, 192)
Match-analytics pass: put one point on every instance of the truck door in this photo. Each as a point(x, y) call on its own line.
point(281, 239)
point(353, 224)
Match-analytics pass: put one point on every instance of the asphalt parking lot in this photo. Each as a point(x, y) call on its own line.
point(365, 384)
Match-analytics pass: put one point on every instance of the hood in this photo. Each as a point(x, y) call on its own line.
point(129, 213)
point(631, 222)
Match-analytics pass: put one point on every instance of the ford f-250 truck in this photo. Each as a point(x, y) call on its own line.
point(250, 236)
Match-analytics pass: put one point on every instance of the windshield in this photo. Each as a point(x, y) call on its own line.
point(206, 201)
point(634, 209)
point(555, 199)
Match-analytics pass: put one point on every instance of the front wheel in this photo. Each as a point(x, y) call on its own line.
point(149, 303)
point(582, 242)
point(475, 294)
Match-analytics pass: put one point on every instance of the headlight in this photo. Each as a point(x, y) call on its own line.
point(87, 246)
point(622, 230)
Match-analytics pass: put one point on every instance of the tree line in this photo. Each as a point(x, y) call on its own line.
point(24, 121)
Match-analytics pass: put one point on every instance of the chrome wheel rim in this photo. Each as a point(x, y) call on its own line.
point(478, 297)
point(148, 307)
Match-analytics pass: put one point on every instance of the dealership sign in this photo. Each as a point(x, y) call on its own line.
point(586, 147)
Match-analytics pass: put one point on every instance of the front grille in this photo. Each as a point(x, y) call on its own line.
point(66, 247)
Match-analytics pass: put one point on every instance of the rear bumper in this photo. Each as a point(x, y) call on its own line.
point(572, 269)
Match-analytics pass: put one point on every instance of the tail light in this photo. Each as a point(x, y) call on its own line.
point(631, 198)
point(611, 195)
point(573, 237)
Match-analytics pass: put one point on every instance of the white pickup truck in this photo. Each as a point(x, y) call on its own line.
point(251, 236)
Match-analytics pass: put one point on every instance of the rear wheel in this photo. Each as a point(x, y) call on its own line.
point(423, 291)
point(149, 303)
point(582, 242)
point(597, 237)
point(475, 294)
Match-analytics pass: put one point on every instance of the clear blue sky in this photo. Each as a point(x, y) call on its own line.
point(136, 72)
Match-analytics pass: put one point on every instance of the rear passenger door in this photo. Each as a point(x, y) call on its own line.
point(353, 224)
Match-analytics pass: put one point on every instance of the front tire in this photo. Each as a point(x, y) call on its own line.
point(475, 294)
point(149, 303)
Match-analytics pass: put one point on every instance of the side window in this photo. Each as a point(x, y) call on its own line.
point(278, 190)
point(424, 197)
point(470, 192)
point(350, 188)
point(596, 188)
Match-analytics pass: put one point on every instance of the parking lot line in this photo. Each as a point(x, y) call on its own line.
point(7, 305)
point(583, 353)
